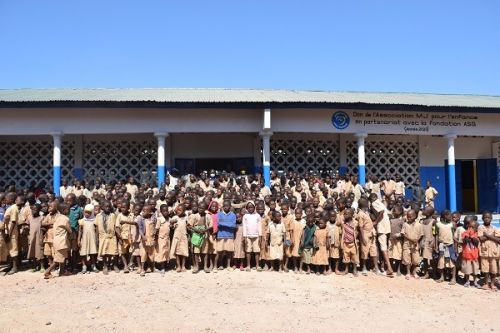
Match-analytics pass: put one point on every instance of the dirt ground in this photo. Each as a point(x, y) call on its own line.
point(241, 302)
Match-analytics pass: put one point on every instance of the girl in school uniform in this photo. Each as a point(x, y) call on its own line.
point(179, 249)
point(163, 242)
point(108, 250)
point(239, 243)
point(87, 239)
point(35, 246)
point(208, 248)
point(297, 229)
point(320, 255)
point(277, 236)
point(147, 247)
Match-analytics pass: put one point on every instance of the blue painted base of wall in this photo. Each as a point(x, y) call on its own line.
point(437, 177)
point(56, 183)
point(267, 175)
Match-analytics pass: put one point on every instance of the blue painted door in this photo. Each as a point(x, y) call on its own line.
point(486, 184)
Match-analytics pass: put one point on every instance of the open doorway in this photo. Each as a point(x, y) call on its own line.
point(469, 186)
point(476, 185)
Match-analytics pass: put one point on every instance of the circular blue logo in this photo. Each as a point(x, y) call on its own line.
point(340, 120)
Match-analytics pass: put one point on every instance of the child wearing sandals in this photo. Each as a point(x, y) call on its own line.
point(412, 233)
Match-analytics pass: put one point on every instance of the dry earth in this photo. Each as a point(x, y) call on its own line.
point(241, 301)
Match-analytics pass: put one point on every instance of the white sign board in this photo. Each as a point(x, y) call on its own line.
point(415, 123)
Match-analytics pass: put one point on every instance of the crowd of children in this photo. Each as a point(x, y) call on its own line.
point(307, 224)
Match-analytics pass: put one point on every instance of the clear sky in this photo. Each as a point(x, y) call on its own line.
point(408, 46)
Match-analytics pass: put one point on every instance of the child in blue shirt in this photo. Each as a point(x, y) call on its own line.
point(225, 235)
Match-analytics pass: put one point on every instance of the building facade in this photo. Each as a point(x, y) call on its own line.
point(451, 140)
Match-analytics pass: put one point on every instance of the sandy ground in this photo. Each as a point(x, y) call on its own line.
point(241, 302)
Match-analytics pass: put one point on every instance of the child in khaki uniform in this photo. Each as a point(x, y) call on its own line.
point(62, 232)
point(147, 248)
point(489, 250)
point(47, 226)
point(179, 250)
point(287, 220)
point(428, 241)
point(136, 230)
point(395, 239)
point(297, 231)
point(124, 221)
point(336, 235)
point(264, 240)
point(11, 219)
point(277, 237)
point(106, 226)
point(87, 239)
point(350, 241)
point(208, 247)
point(239, 243)
point(163, 242)
point(447, 254)
point(320, 255)
point(412, 233)
point(367, 236)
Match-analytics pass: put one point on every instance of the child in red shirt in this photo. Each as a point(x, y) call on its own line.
point(470, 251)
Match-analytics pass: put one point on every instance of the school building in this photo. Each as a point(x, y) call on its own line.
point(452, 140)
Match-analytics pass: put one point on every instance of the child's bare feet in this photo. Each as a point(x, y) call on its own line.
point(178, 270)
point(183, 269)
point(105, 270)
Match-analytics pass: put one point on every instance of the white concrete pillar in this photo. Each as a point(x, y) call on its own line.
point(361, 158)
point(56, 164)
point(266, 157)
point(452, 186)
point(160, 137)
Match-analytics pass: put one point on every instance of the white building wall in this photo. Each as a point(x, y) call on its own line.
point(128, 120)
point(433, 150)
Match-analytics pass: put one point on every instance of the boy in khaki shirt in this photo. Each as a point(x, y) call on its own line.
point(412, 232)
point(489, 250)
point(62, 232)
point(11, 225)
point(350, 242)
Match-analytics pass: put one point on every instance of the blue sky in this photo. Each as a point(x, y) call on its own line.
point(413, 46)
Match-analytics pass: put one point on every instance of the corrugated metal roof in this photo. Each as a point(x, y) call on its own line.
point(170, 95)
